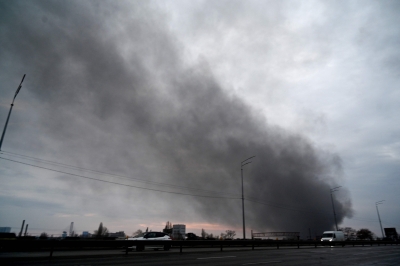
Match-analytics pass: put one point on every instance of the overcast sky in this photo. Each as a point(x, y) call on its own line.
point(135, 113)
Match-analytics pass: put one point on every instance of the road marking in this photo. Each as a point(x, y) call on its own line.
point(264, 262)
point(216, 257)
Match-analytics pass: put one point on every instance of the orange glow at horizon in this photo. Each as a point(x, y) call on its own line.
point(193, 227)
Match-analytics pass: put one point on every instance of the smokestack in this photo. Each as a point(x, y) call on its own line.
point(22, 228)
point(26, 229)
point(71, 231)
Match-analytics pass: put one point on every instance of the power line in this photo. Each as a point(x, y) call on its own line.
point(282, 206)
point(171, 192)
point(364, 220)
point(116, 183)
point(278, 206)
point(259, 201)
point(35, 159)
point(391, 224)
point(100, 172)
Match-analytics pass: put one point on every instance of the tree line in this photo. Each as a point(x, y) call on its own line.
point(362, 234)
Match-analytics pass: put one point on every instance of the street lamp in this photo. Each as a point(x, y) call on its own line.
point(9, 113)
point(379, 217)
point(241, 169)
point(333, 207)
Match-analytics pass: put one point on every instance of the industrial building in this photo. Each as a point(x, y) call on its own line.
point(5, 229)
point(178, 231)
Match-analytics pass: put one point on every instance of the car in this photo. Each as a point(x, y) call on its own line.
point(151, 236)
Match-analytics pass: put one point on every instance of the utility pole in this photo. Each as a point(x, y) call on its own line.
point(9, 113)
point(333, 207)
point(241, 169)
point(379, 217)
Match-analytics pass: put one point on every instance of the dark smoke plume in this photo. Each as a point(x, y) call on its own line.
point(114, 93)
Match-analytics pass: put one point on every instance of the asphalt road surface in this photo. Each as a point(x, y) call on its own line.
point(376, 255)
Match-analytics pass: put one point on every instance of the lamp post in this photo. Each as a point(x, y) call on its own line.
point(333, 207)
point(241, 169)
point(9, 113)
point(379, 217)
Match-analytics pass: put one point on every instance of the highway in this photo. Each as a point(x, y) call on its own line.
point(375, 255)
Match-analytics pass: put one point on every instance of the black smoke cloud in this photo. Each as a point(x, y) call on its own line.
point(116, 94)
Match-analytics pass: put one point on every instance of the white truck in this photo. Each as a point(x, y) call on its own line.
point(332, 236)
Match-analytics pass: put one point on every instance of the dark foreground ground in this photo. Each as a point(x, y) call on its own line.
point(375, 255)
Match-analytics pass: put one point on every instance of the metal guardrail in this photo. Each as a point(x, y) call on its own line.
point(58, 245)
point(273, 234)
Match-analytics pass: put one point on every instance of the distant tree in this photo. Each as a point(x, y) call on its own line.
point(203, 233)
point(222, 236)
point(230, 234)
point(43, 235)
point(102, 231)
point(137, 233)
point(364, 234)
point(210, 236)
point(168, 225)
point(168, 228)
point(349, 232)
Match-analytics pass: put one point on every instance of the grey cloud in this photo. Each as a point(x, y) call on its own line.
point(118, 95)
